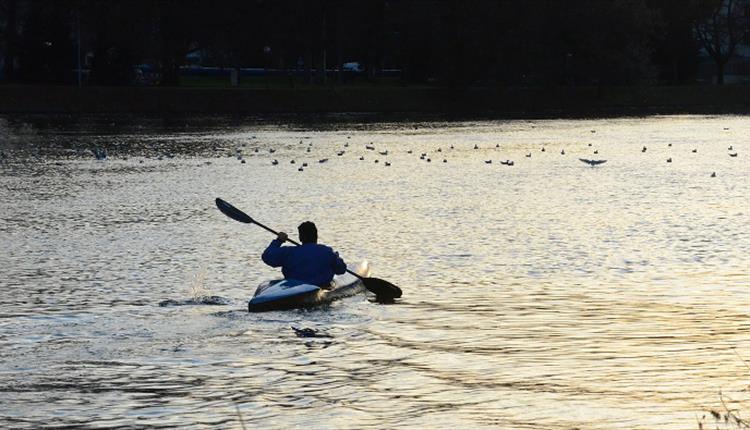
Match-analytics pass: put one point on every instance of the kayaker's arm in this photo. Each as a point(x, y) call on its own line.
point(339, 266)
point(274, 253)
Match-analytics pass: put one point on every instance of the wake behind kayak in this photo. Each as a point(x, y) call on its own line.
point(200, 300)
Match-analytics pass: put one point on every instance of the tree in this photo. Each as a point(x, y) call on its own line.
point(117, 32)
point(675, 44)
point(46, 48)
point(719, 30)
point(175, 21)
point(595, 41)
point(9, 10)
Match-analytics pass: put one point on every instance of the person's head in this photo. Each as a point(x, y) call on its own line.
point(308, 233)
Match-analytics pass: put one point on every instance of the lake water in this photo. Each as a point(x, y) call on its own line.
point(544, 295)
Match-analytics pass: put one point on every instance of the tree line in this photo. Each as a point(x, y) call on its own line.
point(442, 42)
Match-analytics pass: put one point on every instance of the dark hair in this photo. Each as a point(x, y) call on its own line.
point(308, 233)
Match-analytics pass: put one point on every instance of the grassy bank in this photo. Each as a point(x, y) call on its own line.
point(485, 102)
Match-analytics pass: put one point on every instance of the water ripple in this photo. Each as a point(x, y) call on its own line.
point(549, 294)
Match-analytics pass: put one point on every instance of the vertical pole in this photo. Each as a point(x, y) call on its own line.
point(78, 37)
point(325, 70)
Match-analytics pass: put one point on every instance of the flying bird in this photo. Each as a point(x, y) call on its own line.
point(592, 162)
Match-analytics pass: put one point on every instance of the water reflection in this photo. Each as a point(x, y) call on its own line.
point(545, 294)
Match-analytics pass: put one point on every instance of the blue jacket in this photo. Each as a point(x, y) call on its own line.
point(310, 262)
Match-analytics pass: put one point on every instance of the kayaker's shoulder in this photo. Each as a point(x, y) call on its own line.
point(318, 246)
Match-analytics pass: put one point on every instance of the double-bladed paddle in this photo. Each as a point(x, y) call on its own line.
point(383, 290)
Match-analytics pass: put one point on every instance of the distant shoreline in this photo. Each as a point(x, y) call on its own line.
point(500, 103)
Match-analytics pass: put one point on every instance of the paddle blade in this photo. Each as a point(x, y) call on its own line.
point(233, 212)
point(382, 289)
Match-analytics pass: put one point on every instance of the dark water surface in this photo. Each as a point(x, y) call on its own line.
point(547, 294)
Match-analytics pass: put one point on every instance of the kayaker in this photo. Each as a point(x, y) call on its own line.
point(310, 262)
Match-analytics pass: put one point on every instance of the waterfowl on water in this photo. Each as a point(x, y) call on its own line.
point(733, 154)
point(100, 154)
point(713, 175)
point(669, 160)
point(275, 162)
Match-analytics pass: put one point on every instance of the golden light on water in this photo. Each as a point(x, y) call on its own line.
point(545, 294)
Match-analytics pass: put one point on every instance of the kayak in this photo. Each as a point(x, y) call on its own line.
point(291, 293)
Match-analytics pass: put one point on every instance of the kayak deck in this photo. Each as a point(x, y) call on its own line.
point(291, 294)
